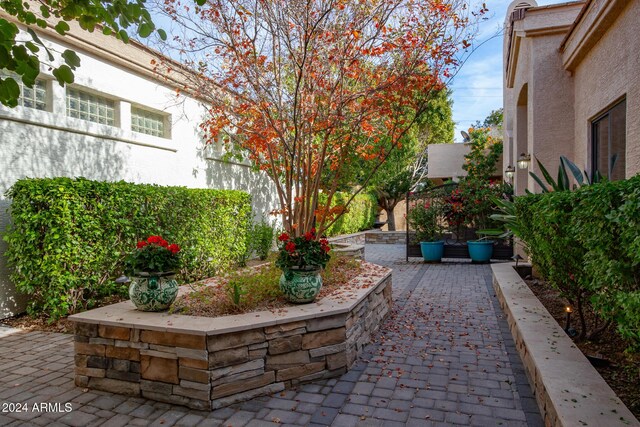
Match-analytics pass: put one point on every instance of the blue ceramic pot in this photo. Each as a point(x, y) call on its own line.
point(480, 250)
point(432, 251)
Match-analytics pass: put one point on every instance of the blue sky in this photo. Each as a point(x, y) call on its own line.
point(477, 88)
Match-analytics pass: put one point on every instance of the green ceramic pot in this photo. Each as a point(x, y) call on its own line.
point(153, 291)
point(301, 286)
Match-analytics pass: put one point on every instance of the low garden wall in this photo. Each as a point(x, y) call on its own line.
point(569, 391)
point(372, 236)
point(386, 237)
point(348, 249)
point(354, 239)
point(208, 363)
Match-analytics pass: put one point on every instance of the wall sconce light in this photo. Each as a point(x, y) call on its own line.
point(524, 160)
point(509, 172)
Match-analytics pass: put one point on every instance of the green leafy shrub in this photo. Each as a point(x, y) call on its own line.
point(259, 241)
point(360, 216)
point(70, 237)
point(262, 234)
point(608, 224)
point(426, 218)
point(586, 243)
point(555, 250)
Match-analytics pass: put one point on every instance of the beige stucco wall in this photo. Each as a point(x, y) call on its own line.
point(610, 71)
point(569, 63)
point(399, 213)
point(518, 116)
point(551, 111)
point(446, 160)
point(538, 94)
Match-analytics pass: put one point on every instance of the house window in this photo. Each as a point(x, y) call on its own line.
point(148, 122)
point(608, 139)
point(31, 97)
point(86, 106)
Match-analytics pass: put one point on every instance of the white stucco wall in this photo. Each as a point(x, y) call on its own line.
point(48, 144)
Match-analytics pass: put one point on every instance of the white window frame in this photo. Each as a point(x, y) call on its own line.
point(39, 81)
point(95, 96)
point(164, 117)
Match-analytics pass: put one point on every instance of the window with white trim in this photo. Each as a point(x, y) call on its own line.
point(87, 106)
point(30, 97)
point(148, 122)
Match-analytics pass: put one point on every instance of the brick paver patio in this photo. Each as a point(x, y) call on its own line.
point(444, 357)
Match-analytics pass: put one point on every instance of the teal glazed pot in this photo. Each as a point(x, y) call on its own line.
point(480, 251)
point(432, 251)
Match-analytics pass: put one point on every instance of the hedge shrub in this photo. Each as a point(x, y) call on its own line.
point(360, 216)
point(69, 237)
point(587, 244)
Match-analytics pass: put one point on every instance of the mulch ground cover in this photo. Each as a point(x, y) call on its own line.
point(211, 298)
point(622, 370)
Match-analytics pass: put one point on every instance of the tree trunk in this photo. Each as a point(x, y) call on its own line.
point(391, 219)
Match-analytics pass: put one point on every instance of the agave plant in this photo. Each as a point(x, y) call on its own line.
point(562, 183)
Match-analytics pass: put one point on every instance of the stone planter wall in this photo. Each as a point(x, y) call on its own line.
point(207, 363)
point(348, 249)
point(569, 391)
point(355, 238)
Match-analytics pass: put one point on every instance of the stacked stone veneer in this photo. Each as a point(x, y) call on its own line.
point(386, 237)
point(377, 236)
point(354, 239)
point(128, 352)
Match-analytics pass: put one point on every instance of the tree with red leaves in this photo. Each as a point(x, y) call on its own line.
point(304, 85)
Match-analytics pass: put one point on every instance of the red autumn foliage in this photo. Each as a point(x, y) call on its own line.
point(301, 86)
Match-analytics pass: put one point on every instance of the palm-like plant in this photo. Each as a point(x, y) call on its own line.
point(507, 216)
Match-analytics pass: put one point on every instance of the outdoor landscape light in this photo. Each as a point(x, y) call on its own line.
point(509, 172)
point(517, 258)
point(523, 161)
point(567, 326)
point(122, 279)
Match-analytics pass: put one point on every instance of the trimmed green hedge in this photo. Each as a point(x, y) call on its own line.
point(70, 236)
point(360, 216)
point(587, 244)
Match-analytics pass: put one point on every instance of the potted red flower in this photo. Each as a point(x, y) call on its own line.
point(301, 259)
point(151, 267)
